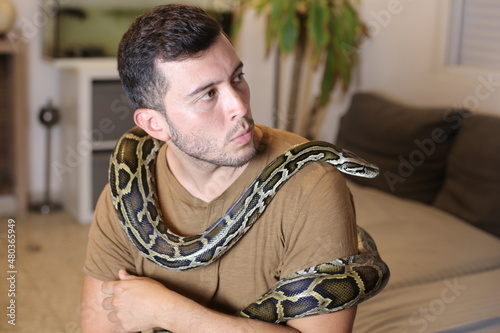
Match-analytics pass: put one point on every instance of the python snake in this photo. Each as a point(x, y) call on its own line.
point(327, 287)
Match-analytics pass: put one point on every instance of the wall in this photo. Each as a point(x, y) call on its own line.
point(403, 60)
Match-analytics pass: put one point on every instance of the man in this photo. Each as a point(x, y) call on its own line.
point(187, 83)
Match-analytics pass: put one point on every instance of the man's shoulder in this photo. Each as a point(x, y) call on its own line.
point(278, 141)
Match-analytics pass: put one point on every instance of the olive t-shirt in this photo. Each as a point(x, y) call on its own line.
point(311, 220)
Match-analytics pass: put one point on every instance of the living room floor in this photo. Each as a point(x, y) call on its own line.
point(44, 281)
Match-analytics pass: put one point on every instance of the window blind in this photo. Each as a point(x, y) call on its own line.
point(475, 32)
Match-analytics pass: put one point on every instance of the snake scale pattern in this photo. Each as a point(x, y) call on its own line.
point(325, 288)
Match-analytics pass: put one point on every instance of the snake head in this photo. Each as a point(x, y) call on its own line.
point(358, 169)
point(357, 166)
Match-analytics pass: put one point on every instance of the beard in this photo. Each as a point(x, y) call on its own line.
point(206, 151)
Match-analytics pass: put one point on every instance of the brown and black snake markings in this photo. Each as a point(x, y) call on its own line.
point(324, 288)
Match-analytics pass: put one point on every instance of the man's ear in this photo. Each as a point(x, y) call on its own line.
point(153, 122)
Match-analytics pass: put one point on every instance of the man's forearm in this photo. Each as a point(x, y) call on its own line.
point(202, 319)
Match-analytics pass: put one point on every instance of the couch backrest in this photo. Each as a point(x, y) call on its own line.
point(445, 157)
point(471, 188)
point(410, 145)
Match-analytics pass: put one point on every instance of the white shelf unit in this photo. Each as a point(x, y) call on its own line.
point(84, 137)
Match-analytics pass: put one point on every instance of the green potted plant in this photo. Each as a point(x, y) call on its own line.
point(322, 34)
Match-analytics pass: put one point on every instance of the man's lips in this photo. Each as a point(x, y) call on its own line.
point(244, 137)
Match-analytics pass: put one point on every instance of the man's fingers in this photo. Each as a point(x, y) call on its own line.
point(124, 275)
point(107, 303)
point(108, 287)
point(113, 318)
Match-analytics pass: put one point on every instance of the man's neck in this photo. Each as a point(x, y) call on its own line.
point(203, 183)
point(203, 180)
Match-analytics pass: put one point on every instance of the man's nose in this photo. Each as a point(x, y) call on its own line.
point(236, 104)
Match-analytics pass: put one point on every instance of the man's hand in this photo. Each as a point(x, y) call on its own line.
point(135, 303)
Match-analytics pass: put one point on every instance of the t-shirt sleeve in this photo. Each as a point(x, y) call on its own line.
point(108, 248)
point(325, 225)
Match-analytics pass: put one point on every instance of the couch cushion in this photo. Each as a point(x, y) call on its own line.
point(410, 145)
point(472, 187)
point(421, 243)
point(446, 306)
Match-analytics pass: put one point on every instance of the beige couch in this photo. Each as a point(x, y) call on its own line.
point(434, 212)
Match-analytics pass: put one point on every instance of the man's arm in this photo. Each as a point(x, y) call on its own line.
point(93, 318)
point(137, 303)
point(341, 321)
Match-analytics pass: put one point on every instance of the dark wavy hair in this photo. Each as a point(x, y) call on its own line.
point(166, 33)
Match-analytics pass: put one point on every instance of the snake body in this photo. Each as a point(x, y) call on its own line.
point(324, 288)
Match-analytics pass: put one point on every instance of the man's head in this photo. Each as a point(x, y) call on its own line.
point(187, 83)
point(167, 33)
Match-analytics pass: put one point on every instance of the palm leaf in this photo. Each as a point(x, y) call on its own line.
point(317, 25)
point(289, 30)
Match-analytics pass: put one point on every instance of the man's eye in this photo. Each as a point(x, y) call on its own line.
point(239, 77)
point(209, 95)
